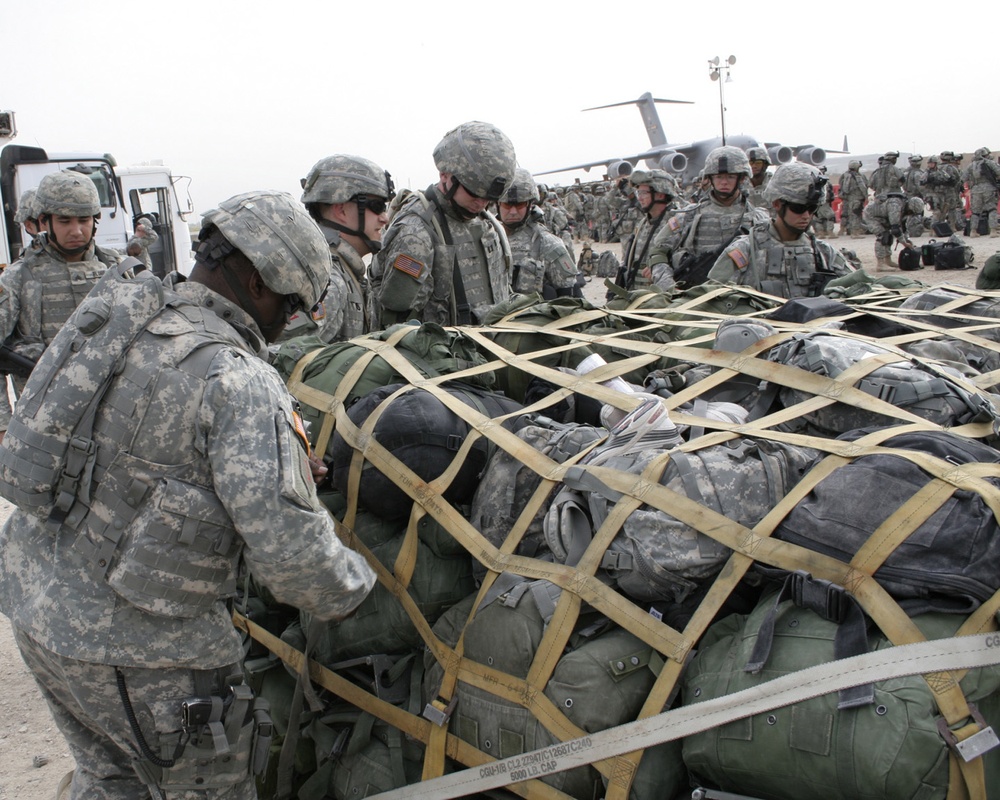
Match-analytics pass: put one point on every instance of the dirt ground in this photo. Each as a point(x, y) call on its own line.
point(27, 734)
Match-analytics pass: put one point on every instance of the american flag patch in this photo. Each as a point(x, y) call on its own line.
point(673, 224)
point(410, 266)
point(739, 258)
point(319, 313)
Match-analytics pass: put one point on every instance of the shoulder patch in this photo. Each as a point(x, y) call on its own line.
point(739, 258)
point(673, 223)
point(409, 266)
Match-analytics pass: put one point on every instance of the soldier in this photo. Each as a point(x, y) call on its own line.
point(782, 257)
point(887, 177)
point(913, 177)
point(953, 210)
point(556, 219)
point(39, 292)
point(444, 257)
point(200, 461)
point(144, 238)
point(854, 195)
point(606, 211)
point(825, 220)
point(575, 211)
point(541, 262)
point(655, 191)
point(982, 177)
point(348, 197)
point(760, 160)
point(699, 233)
point(27, 215)
point(886, 218)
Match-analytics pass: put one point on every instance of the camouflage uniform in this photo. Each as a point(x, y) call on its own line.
point(575, 211)
point(798, 265)
point(887, 177)
point(982, 177)
point(954, 210)
point(758, 182)
point(646, 249)
point(886, 218)
point(825, 220)
point(541, 263)
point(201, 460)
point(854, 194)
point(145, 240)
point(437, 264)
point(932, 189)
point(913, 178)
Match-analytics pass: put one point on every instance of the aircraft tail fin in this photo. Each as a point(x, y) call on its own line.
point(647, 108)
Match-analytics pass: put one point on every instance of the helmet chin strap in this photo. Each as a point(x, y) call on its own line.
point(727, 195)
point(72, 251)
point(373, 247)
point(463, 213)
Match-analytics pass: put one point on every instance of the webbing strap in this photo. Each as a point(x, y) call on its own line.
point(964, 652)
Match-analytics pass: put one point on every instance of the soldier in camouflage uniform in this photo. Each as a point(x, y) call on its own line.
point(954, 210)
point(760, 160)
point(982, 177)
point(200, 462)
point(931, 189)
point(887, 177)
point(348, 197)
point(913, 187)
point(39, 292)
point(575, 211)
point(144, 238)
point(886, 218)
point(699, 233)
point(782, 257)
point(606, 211)
point(27, 215)
point(854, 194)
point(541, 262)
point(444, 257)
point(825, 220)
point(655, 191)
point(557, 221)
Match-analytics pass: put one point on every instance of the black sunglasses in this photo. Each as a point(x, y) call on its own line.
point(802, 208)
point(376, 205)
point(294, 304)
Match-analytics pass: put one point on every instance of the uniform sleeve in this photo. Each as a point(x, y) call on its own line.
point(560, 271)
point(405, 269)
point(732, 265)
point(10, 299)
point(261, 474)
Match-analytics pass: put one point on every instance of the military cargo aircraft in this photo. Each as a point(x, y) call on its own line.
point(685, 161)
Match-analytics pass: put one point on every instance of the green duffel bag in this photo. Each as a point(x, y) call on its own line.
point(381, 624)
point(602, 679)
point(889, 749)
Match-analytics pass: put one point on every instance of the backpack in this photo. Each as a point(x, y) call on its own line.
point(950, 255)
point(607, 265)
point(655, 556)
point(890, 749)
point(909, 259)
point(419, 430)
point(948, 561)
point(600, 681)
point(918, 387)
point(48, 454)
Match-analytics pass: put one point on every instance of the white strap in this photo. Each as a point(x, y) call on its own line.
point(940, 655)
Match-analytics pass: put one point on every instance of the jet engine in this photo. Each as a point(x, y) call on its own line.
point(619, 169)
point(811, 155)
point(674, 162)
point(780, 154)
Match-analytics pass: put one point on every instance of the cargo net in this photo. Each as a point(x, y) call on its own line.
point(780, 486)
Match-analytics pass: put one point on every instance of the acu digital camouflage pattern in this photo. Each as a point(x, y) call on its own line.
point(67, 194)
point(338, 178)
point(26, 207)
point(280, 239)
point(480, 156)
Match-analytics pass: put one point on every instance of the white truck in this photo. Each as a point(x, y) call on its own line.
point(126, 193)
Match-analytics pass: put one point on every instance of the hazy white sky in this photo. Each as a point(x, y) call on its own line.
point(248, 95)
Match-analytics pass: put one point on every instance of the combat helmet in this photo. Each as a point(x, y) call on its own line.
point(341, 178)
point(891, 154)
point(982, 152)
point(480, 157)
point(915, 158)
point(344, 179)
point(279, 238)
point(727, 160)
point(796, 183)
point(522, 189)
point(658, 179)
point(26, 207)
point(855, 164)
point(67, 194)
point(948, 156)
point(932, 160)
point(759, 154)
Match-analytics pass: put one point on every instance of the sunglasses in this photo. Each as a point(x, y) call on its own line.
point(376, 205)
point(294, 304)
point(802, 208)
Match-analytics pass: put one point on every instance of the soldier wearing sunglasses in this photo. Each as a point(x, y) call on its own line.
point(348, 197)
point(783, 257)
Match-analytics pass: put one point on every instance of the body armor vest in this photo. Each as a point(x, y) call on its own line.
point(61, 288)
point(714, 226)
point(790, 265)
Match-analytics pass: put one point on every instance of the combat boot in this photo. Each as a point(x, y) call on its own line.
point(885, 264)
point(994, 233)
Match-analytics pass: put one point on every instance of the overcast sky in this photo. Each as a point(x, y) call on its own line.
point(248, 95)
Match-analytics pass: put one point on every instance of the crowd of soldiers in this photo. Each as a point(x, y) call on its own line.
point(194, 453)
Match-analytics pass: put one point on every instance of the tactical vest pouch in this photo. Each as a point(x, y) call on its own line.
point(177, 557)
point(891, 749)
point(48, 455)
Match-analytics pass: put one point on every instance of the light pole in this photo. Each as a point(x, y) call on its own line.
point(715, 70)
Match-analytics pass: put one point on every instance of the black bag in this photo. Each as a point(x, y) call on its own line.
point(941, 229)
point(929, 250)
point(909, 259)
point(983, 228)
point(423, 433)
point(949, 563)
point(950, 256)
